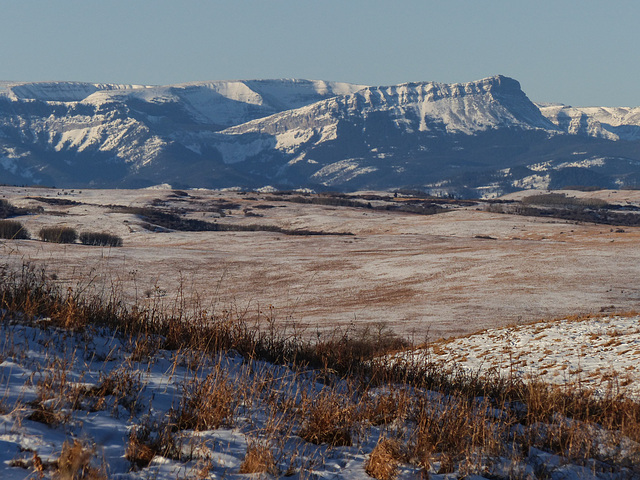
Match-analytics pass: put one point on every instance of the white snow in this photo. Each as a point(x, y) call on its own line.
point(47, 366)
point(539, 182)
point(595, 352)
point(341, 171)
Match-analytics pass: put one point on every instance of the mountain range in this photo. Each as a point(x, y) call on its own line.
point(480, 138)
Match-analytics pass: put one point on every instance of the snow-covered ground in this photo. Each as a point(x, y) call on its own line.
point(94, 391)
point(50, 368)
point(597, 352)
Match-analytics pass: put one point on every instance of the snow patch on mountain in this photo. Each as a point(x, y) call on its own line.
point(538, 182)
point(587, 163)
point(341, 172)
point(458, 108)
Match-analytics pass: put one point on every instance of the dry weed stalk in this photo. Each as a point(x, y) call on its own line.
point(456, 428)
point(53, 394)
point(150, 439)
point(383, 409)
point(122, 384)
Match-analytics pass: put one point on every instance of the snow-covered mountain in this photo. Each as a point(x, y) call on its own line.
point(617, 123)
point(477, 137)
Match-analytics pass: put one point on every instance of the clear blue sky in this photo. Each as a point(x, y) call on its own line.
point(581, 52)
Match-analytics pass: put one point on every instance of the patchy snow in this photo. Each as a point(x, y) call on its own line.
point(60, 91)
point(34, 359)
point(61, 373)
point(586, 163)
point(267, 189)
point(599, 352)
point(421, 274)
point(540, 182)
point(613, 123)
point(540, 167)
point(341, 171)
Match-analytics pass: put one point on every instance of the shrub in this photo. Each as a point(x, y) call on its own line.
point(58, 234)
point(330, 419)
point(150, 439)
point(100, 239)
point(12, 230)
point(8, 210)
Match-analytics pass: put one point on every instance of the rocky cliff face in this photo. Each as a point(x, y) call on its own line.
point(480, 137)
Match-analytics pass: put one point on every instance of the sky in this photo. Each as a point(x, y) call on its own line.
point(580, 52)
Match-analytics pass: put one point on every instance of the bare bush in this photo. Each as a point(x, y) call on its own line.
point(100, 239)
point(13, 230)
point(330, 419)
point(150, 439)
point(58, 234)
point(8, 210)
point(75, 463)
point(207, 404)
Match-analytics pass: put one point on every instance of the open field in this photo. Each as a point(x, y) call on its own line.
point(424, 275)
point(155, 387)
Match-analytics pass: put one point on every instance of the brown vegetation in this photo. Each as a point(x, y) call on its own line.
point(451, 420)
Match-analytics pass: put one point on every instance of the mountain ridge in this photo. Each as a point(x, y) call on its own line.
point(308, 133)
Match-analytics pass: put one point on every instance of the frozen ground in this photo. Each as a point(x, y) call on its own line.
point(600, 353)
point(425, 276)
point(95, 390)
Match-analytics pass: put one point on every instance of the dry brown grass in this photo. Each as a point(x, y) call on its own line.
point(208, 403)
point(386, 408)
point(75, 463)
point(140, 451)
point(457, 428)
point(330, 418)
point(150, 439)
point(54, 395)
point(384, 459)
point(452, 427)
point(122, 385)
point(258, 459)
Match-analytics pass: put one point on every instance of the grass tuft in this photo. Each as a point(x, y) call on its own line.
point(258, 459)
point(75, 463)
point(383, 461)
